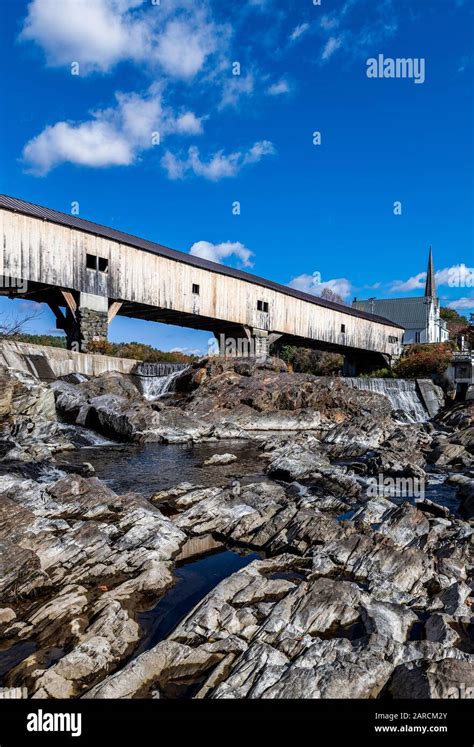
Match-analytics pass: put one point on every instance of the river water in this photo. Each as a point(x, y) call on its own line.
point(194, 579)
point(151, 467)
point(154, 380)
point(402, 394)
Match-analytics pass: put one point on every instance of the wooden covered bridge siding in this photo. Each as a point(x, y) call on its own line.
point(145, 284)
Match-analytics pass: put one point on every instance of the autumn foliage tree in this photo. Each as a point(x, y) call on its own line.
point(458, 326)
point(141, 352)
point(424, 361)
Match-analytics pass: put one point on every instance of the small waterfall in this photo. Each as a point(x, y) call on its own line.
point(157, 379)
point(83, 437)
point(402, 394)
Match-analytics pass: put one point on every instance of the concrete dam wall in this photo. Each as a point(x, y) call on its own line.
point(46, 362)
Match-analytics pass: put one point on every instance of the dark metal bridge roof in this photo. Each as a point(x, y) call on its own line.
point(63, 219)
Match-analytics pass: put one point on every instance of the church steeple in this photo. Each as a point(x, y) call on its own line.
point(430, 287)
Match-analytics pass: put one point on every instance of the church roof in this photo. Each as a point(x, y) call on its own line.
point(410, 313)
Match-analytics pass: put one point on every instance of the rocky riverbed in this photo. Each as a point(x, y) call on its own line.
point(258, 534)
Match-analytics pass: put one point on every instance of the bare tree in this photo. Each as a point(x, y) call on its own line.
point(330, 295)
point(12, 326)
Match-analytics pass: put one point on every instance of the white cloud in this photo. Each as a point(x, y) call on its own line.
point(188, 351)
point(113, 137)
point(356, 32)
point(276, 89)
point(259, 3)
point(413, 283)
point(95, 33)
point(89, 144)
point(98, 34)
point(332, 44)
point(258, 151)
point(135, 116)
point(183, 46)
point(218, 166)
point(219, 252)
point(298, 31)
point(313, 284)
point(329, 22)
point(234, 88)
point(174, 167)
point(463, 65)
point(462, 303)
point(189, 124)
point(456, 276)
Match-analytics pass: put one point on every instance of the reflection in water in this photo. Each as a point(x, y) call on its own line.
point(14, 655)
point(193, 581)
point(151, 467)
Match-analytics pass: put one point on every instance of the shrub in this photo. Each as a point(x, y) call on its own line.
point(141, 352)
point(381, 373)
point(305, 360)
point(54, 341)
point(424, 361)
point(101, 347)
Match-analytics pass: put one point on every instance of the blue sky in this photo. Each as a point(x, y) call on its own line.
point(133, 110)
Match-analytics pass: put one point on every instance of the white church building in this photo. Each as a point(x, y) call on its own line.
point(420, 316)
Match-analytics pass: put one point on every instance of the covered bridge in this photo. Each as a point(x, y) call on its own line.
point(87, 273)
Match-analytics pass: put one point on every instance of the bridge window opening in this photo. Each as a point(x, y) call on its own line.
point(343, 328)
point(196, 289)
point(392, 338)
point(91, 261)
point(262, 306)
point(97, 263)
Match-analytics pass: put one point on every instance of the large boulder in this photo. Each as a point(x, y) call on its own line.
point(253, 389)
point(23, 396)
point(448, 678)
point(29, 430)
point(113, 406)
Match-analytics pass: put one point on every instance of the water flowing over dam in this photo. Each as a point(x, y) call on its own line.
point(402, 393)
point(156, 379)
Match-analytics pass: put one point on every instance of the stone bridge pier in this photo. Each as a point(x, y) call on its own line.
point(86, 320)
